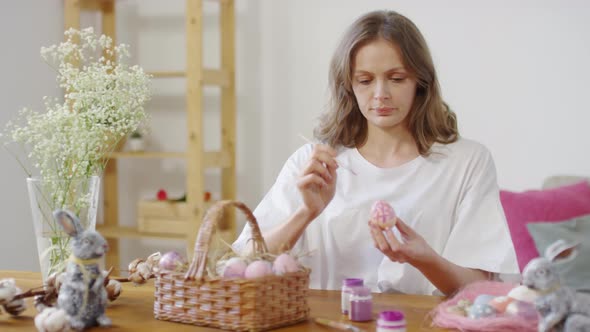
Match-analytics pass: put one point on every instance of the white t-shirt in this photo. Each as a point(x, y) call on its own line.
point(451, 198)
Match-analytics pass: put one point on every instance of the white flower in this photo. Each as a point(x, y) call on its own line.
point(7, 290)
point(52, 320)
point(103, 102)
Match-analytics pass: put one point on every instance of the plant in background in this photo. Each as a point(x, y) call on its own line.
point(136, 134)
point(102, 104)
point(136, 141)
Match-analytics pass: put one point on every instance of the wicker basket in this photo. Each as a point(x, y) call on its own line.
point(231, 304)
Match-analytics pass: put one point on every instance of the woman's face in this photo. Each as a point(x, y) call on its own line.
point(383, 88)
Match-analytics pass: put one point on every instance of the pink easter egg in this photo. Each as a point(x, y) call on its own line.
point(258, 269)
point(171, 261)
point(235, 267)
point(285, 263)
point(523, 293)
point(382, 214)
point(500, 303)
point(522, 309)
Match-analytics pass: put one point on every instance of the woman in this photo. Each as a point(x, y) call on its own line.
point(396, 140)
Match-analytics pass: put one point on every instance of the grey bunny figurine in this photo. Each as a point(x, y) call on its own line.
point(82, 294)
point(560, 307)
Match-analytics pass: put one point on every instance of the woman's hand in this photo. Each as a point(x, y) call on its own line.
point(412, 248)
point(317, 182)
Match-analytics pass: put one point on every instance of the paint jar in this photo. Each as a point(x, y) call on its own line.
point(347, 285)
point(361, 304)
point(391, 321)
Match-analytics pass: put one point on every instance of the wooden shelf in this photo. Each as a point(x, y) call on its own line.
point(211, 159)
point(196, 76)
point(118, 232)
point(122, 232)
point(97, 5)
point(148, 155)
point(210, 76)
point(92, 5)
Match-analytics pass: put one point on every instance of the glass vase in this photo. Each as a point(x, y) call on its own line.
point(78, 195)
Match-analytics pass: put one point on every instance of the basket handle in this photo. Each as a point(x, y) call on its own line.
point(212, 217)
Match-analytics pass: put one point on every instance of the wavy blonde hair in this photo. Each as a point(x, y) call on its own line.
point(430, 119)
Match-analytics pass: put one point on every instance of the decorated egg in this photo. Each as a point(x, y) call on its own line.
point(382, 214)
point(500, 303)
point(522, 309)
point(171, 261)
point(235, 267)
point(285, 263)
point(523, 293)
point(481, 311)
point(258, 269)
point(483, 299)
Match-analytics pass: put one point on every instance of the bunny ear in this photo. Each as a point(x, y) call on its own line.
point(561, 249)
point(68, 221)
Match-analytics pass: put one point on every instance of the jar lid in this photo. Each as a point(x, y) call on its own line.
point(352, 282)
point(360, 291)
point(391, 316)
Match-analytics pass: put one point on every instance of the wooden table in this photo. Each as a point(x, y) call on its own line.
point(133, 310)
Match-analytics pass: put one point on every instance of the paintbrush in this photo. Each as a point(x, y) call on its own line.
point(337, 325)
point(339, 163)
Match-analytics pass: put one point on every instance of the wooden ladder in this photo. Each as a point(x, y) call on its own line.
point(197, 160)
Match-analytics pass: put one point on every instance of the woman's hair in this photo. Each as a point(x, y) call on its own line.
point(430, 119)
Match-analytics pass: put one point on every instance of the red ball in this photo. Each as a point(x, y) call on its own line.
point(162, 195)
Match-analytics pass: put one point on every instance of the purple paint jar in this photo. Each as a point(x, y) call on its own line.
point(391, 321)
point(347, 285)
point(361, 304)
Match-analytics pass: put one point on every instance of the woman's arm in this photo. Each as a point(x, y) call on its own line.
point(317, 185)
point(284, 236)
point(449, 277)
point(413, 249)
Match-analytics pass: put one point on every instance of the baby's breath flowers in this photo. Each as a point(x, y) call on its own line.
point(102, 104)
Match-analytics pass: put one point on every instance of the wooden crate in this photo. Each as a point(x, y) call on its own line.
point(165, 217)
point(162, 217)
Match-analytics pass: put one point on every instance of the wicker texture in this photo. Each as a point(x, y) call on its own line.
point(232, 304)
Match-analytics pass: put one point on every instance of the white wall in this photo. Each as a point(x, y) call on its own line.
point(24, 79)
point(515, 74)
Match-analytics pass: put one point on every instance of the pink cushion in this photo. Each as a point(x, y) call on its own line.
point(549, 205)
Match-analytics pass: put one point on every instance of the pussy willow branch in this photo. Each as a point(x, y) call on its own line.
point(30, 293)
point(38, 291)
